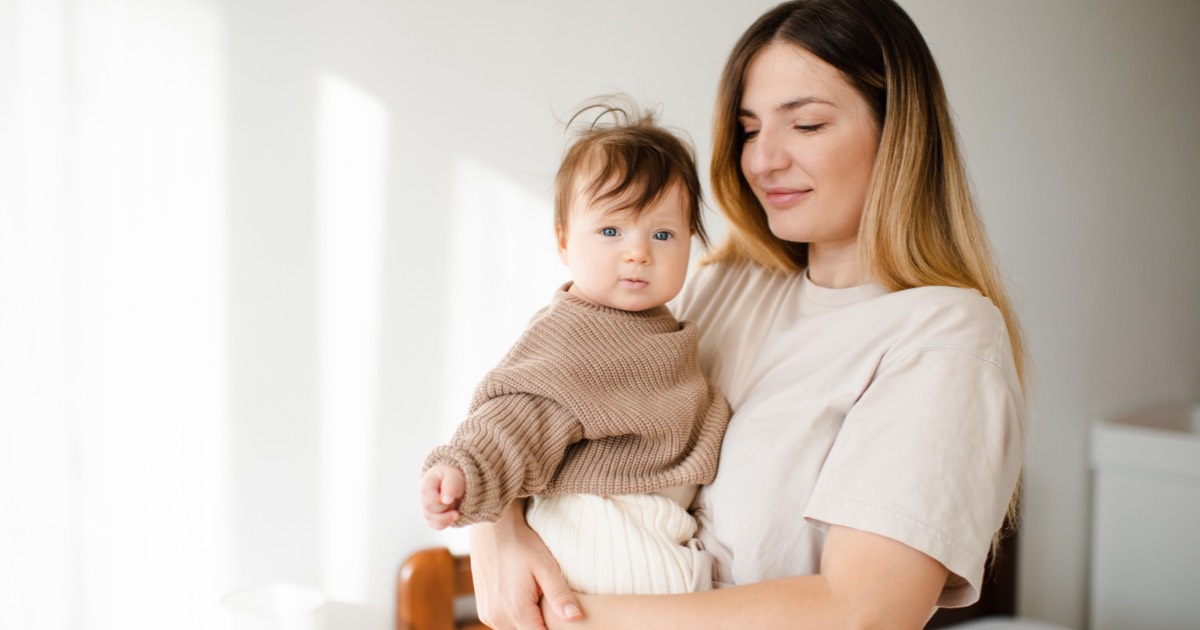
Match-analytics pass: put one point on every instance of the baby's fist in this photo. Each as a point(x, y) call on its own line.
point(442, 489)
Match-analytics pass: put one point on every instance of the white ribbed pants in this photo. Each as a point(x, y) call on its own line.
point(631, 544)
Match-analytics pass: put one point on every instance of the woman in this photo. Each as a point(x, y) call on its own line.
point(856, 323)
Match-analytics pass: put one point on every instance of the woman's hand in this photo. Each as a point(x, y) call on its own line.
point(513, 571)
point(555, 622)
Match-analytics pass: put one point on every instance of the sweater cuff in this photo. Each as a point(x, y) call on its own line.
point(478, 505)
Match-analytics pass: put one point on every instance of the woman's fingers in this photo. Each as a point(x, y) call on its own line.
point(506, 559)
point(559, 597)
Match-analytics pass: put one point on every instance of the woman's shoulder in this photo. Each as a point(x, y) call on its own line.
point(951, 318)
point(943, 302)
point(708, 275)
point(736, 285)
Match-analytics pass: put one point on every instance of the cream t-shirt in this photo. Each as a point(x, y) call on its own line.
point(894, 413)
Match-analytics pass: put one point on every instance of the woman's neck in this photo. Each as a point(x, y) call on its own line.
point(836, 266)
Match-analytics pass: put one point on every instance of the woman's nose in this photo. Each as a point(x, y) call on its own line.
point(764, 155)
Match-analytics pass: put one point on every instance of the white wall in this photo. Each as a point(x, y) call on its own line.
point(1079, 120)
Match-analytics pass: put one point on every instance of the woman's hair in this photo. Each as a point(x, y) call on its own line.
point(628, 157)
point(919, 225)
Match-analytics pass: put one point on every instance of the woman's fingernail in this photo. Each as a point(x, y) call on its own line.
point(570, 611)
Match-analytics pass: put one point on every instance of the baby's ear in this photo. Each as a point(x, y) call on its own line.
point(560, 237)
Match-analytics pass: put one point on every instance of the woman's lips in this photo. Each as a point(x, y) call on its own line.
point(784, 197)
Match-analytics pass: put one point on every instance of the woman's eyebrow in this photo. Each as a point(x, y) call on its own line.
point(788, 106)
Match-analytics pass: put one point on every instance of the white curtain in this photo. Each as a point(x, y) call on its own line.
point(113, 353)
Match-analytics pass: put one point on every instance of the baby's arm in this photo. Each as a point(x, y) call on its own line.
point(509, 447)
point(442, 489)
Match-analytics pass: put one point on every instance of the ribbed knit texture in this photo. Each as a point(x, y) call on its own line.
point(589, 400)
point(639, 544)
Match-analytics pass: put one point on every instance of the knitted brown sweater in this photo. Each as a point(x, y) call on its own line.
point(590, 400)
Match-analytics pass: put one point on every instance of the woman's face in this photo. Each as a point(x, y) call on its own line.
point(810, 145)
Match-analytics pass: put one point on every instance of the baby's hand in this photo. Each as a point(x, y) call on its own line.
point(442, 487)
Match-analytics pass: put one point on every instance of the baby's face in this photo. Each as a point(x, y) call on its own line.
point(628, 262)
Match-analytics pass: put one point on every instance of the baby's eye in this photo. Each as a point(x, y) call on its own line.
point(663, 235)
point(609, 231)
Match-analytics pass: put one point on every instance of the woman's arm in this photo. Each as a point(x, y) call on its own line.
point(513, 570)
point(866, 581)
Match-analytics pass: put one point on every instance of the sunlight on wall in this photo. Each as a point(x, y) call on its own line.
point(503, 269)
point(152, 309)
point(113, 374)
point(38, 539)
point(352, 132)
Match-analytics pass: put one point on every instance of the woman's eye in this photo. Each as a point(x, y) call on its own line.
point(810, 128)
point(609, 231)
point(662, 235)
point(749, 134)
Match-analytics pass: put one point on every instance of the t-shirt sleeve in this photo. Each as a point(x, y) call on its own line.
point(929, 456)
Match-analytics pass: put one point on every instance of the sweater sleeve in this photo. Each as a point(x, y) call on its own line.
point(509, 447)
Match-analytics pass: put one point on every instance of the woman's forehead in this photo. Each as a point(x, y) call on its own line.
point(787, 76)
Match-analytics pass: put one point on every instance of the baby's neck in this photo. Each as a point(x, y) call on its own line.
point(574, 291)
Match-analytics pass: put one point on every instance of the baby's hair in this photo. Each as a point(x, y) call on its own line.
point(629, 157)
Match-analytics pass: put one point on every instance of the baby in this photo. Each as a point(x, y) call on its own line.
point(600, 413)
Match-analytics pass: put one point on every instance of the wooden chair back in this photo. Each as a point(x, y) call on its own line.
point(431, 582)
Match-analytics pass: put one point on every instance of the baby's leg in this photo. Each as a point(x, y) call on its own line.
point(629, 544)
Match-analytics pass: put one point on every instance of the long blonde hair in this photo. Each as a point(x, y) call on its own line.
point(919, 226)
